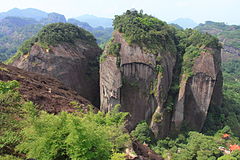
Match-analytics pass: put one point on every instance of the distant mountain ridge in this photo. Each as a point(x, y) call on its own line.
point(184, 23)
point(229, 35)
point(95, 21)
point(27, 13)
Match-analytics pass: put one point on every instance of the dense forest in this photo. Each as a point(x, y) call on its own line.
point(27, 132)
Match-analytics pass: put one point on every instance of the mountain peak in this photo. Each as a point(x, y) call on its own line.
point(185, 22)
point(26, 13)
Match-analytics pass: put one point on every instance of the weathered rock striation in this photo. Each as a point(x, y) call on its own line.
point(135, 84)
point(75, 64)
point(156, 86)
point(199, 91)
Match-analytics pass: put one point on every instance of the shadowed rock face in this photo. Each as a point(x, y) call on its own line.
point(199, 91)
point(135, 83)
point(132, 80)
point(75, 65)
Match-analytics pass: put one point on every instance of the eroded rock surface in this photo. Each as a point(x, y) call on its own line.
point(198, 92)
point(133, 79)
point(75, 65)
point(134, 82)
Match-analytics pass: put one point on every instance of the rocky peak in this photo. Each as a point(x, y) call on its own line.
point(159, 74)
point(70, 55)
point(53, 18)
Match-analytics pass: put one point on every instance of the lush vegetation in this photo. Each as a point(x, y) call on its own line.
point(23, 49)
point(198, 146)
point(148, 32)
point(143, 133)
point(10, 111)
point(154, 36)
point(37, 134)
point(13, 32)
point(191, 145)
point(113, 48)
point(56, 33)
point(190, 44)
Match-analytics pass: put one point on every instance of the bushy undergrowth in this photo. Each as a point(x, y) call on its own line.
point(44, 136)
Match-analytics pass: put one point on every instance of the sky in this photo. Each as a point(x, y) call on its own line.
point(199, 10)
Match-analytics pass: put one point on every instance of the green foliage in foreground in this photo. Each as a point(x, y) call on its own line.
point(74, 136)
point(46, 136)
point(10, 110)
point(143, 133)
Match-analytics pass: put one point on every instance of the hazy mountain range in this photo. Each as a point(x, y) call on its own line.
point(18, 25)
point(184, 23)
point(92, 20)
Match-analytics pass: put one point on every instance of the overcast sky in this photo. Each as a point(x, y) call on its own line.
point(199, 10)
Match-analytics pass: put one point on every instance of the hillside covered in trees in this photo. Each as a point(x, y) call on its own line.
point(229, 35)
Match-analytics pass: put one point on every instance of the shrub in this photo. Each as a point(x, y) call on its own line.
point(80, 136)
point(56, 33)
point(143, 133)
point(10, 101)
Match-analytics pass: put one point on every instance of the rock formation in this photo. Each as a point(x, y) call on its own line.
point(156, 86)
point(199, 91)
point(47, 93)
point(75, 64)
point(53, 18)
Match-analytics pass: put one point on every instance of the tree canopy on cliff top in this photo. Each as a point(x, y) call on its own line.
point(63, 32)
point(53, 34)
point(147, 31)
point(154, 35)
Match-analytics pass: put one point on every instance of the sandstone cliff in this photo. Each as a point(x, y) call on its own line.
point(199, 91)
point(170, 82)
point(75, 64)
point(135, 84)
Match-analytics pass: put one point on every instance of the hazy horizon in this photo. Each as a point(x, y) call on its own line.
point(200, 11)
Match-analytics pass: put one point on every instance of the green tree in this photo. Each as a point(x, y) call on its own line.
point(68, 136)
point(143, 133)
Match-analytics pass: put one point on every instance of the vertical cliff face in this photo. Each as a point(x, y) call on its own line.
point(75, 64)
point(132, 79)
point(164, 76)
point(198, 91)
